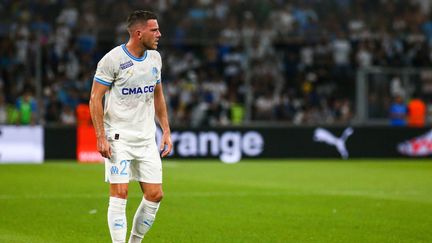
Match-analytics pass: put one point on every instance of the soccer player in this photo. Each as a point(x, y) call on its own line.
point(129, 78)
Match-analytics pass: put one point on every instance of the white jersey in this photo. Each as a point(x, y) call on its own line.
point(129, 104)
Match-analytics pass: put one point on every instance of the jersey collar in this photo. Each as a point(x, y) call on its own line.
point(138, 59)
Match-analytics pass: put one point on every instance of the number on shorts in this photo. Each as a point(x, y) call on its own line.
point(124, 163)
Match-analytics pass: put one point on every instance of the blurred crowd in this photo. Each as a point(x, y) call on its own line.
point(224, 62)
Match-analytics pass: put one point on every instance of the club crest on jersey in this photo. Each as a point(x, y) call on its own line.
point(125, 65)
point(155, 72)
point(137, 90)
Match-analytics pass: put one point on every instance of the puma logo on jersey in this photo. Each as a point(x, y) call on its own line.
point(138, 90)
point(125, 65)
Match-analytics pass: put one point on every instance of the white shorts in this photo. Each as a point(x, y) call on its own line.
point(130, 163)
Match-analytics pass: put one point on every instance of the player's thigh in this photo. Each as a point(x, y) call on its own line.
point(148, 168)
point(117, 168)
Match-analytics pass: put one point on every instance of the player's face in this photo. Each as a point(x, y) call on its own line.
point(150, 34)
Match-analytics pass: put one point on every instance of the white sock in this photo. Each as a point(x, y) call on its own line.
point(117, 219)
point(143, 220)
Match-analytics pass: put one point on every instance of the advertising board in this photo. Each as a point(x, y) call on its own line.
point(21, 144)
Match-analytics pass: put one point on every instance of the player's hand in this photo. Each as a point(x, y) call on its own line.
point(104, 147)
point(166, 144)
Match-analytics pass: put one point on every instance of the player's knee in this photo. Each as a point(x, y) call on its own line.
point(154, 196)
point(120, 192)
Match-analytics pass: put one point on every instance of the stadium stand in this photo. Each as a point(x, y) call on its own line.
point(225, 62)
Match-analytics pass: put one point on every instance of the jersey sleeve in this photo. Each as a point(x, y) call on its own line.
point(159, 62)
point(105, 71)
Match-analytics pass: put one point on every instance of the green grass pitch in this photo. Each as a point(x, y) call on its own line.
point(207, 201)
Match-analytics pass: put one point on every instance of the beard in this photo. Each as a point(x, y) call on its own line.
point(149, 46)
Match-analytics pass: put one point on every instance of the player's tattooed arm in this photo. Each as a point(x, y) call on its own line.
point(96, 111)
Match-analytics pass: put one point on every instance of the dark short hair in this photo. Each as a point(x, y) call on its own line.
point(140, 16)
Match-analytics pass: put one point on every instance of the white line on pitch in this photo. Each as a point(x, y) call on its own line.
point(392, 195)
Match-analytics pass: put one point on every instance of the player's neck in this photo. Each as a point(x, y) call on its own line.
point(135, 49)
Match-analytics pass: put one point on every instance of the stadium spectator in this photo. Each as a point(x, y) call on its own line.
point(83, 115)
point(398, 112)
point(67, 116)
point(26, 106)
point(53, 109)
point(3, 109)
point(281, 42)
point(416, 112)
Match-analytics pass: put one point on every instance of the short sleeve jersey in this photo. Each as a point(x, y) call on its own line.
point(129, 103)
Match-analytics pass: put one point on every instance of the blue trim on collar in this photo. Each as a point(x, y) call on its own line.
point(140, 59)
